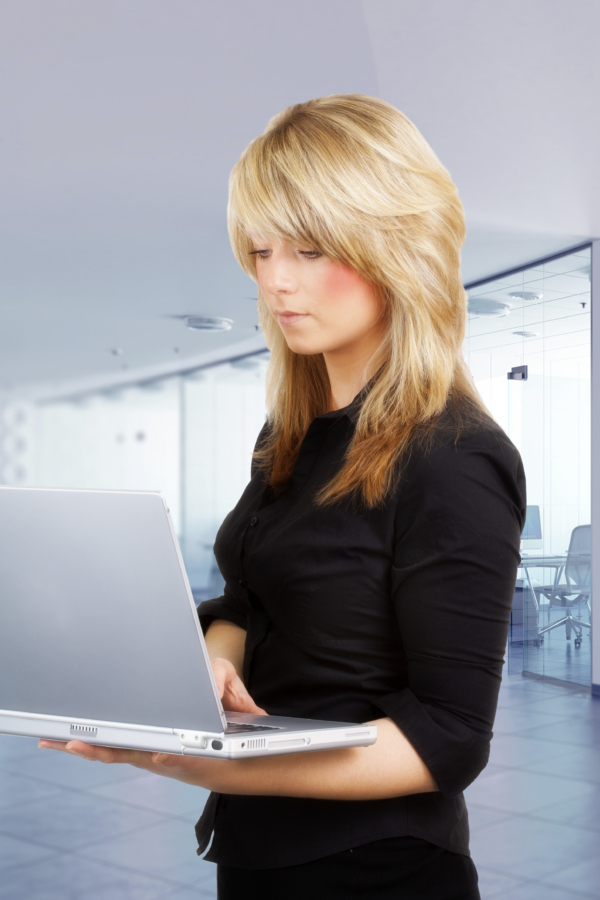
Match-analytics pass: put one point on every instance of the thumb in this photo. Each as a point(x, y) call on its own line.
point(237, 699)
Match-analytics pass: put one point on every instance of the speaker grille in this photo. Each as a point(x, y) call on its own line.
point(89, 730)
point(255, 743)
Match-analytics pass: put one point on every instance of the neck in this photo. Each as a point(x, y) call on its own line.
point(349, 371)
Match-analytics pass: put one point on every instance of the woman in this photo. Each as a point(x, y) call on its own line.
point(370, 563)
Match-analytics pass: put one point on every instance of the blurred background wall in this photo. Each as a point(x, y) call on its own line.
point(119, 124)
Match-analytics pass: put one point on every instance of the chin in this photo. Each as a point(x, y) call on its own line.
point(303, 348)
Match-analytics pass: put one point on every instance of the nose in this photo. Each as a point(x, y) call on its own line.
point(278, 276)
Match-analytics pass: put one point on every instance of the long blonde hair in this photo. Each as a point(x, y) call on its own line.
point(350, 176)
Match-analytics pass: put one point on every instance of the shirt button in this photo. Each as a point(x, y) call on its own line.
point(253, 521)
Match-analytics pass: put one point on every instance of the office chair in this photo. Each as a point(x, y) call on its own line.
point(576, 589)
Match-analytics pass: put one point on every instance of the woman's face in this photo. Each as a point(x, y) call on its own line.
point(321, 306)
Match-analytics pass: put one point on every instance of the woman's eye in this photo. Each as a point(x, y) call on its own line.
point(310, 254)
point(262, 254)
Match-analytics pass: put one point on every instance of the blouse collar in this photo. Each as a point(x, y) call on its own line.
point(352, 411)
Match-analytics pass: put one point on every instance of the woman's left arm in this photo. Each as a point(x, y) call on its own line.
point(388, 768)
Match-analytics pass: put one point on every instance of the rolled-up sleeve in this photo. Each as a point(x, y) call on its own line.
point(225, 607)
point(458, 526)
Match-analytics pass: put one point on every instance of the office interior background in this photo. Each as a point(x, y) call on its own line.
point(121, 122)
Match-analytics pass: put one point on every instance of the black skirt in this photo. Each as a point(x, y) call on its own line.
point(403, 868)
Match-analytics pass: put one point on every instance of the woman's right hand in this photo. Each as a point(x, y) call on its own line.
point(232, 691)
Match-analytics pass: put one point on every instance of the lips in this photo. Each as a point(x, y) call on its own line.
point(289, 317)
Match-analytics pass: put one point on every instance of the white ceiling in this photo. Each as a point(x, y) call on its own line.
point(557, 323)
point(120, 121)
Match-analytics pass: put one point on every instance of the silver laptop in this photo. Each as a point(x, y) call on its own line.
point(100, 640)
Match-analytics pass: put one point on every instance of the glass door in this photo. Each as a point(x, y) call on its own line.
point(528, 346)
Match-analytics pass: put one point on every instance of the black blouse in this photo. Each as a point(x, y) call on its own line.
point(354, 614)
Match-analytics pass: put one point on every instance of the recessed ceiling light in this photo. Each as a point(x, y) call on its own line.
point(527, 334)
point(482, 306)
point(527, 296)
point(208, 323)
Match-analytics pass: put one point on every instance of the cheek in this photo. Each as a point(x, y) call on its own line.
point(346, 292)
point(262, 287)
point(341, 282)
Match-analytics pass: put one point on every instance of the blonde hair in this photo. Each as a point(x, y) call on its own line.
point(350, 176)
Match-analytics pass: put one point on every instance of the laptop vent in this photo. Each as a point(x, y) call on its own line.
point(255, 744)
point(89, 730)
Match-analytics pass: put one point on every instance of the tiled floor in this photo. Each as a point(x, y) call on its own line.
point(71, 830)
point(534, 811)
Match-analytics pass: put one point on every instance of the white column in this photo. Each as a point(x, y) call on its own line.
point(595, 296)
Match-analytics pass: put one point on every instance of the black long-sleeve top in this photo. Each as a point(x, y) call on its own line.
point(353, 614)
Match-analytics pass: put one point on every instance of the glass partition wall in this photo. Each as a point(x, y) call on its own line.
point(528, 346)
point(222, 412)
point(191, 436)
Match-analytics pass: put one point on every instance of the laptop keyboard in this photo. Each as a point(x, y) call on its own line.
point(237, 727)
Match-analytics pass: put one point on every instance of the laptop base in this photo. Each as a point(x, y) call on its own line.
point(271, 735)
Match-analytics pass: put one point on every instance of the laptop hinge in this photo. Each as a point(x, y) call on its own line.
point(196, 739)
